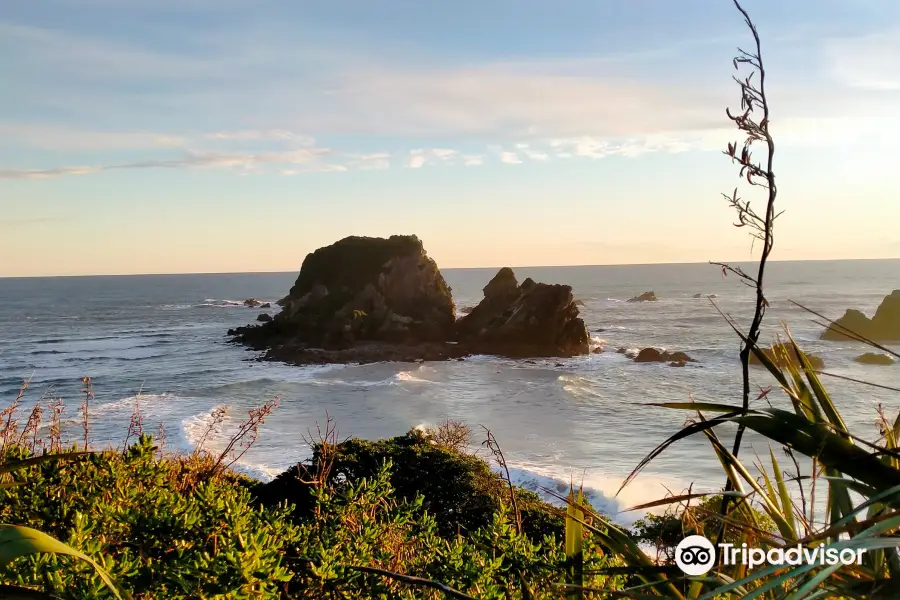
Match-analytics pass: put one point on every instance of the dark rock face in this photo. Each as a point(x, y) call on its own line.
point(872, 358)
point(675, 359)
point(645, 297)
point(779, 354)
point(532, 319)
point(499, 293)
point(264, 317)
point(883, 327)
point(373, 299)
point(359, 292)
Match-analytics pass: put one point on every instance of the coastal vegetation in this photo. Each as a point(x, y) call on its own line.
point(419, 515)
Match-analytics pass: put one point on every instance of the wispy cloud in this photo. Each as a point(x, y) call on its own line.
point(866, 62)
point(66, 138)
point(305, 159)
point(510, 158)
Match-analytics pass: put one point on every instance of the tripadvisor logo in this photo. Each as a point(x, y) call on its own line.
point(696, 555)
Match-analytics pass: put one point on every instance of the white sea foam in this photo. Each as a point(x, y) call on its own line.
point(600, 491)
point(146, 402)
point(408, 377)
point(578, 386)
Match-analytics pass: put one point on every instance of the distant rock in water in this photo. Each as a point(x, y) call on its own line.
point(252, 302)
point(883, 327)
point(873, 358)
point(373, 299)
point(266, 305)
point(532, 319)
point(645, 297)
point(704, 296)
point(675, 359)
point(779, 354)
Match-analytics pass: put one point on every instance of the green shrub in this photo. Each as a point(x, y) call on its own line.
point(156, 525)
point(459, 489)
point(165, 528)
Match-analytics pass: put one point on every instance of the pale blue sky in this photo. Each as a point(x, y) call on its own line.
point(229, 135)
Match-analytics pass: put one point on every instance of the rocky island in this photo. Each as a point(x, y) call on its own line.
point(366, 299)
point(884, 326)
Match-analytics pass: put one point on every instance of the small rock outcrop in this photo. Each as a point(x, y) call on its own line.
point(645, 297)
point(884, 326)
point(264, 317)
point(527, 320)
point(782, 354)
point(675, 359)
point(252, 303)
point(874, 358)
point(266, 305)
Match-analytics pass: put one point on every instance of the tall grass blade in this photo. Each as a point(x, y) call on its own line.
point(17, 541)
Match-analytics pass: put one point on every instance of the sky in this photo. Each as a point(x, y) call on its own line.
point(179, 136)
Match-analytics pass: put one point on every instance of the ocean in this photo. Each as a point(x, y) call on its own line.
point(159, 341)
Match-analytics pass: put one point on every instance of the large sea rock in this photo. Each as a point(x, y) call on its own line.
point(527, 320)
point(373, 299)
point(361, 299)
point(884, 326)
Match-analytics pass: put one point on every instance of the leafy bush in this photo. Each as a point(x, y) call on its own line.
point(175, 528)
point(459, 489)
point(158, 526)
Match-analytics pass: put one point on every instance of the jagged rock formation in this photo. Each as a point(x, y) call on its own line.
point(884, 326)
point(873, 358)
point(782, 354)
point(645, 297)
point(373, 299)
point(355, 294)
point(532, 319)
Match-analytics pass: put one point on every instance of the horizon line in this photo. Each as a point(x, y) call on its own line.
point(648, 264)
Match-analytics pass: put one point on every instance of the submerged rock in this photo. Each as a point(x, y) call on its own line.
point(645, 297)
point(783, 354)
point(884, 326)
point(532, 319)
point(873, 358)
point(656, 355)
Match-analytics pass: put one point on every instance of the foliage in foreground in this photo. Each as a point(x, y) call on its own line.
point(165, 528)
point(458, 488)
